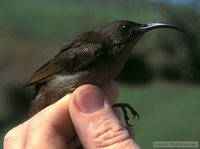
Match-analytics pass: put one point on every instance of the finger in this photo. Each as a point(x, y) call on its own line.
point(94, 121)
point(57, 117)
point(51, 127)
point(117, 113)
point(131, 132)
point(111, 92)
point(16, 137)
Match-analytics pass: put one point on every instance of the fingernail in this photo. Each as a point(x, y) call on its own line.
point(89, 101)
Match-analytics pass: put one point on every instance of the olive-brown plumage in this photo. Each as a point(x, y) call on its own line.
point(94, 57)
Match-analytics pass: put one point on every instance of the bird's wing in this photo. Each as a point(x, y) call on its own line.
point(75, 58)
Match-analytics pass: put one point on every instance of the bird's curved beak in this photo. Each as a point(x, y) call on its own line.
point(151, 26)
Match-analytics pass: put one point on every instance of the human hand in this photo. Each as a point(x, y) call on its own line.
point(86, 111)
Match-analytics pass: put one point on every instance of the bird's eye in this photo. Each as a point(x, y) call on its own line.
point(125, 28)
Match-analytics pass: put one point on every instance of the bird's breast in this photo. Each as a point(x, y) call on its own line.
point(71, 81)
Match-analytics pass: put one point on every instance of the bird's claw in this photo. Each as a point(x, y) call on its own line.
point(124, 107)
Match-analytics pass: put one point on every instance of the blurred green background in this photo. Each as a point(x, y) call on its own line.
point(161, 79)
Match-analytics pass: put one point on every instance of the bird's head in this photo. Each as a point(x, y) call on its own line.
point(123, 33)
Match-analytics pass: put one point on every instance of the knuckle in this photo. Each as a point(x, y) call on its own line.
point(9, 138)
point(110, 134)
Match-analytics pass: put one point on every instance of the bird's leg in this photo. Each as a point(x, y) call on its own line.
point(124, 107)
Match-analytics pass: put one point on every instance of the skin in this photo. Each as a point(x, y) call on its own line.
point(97, 125)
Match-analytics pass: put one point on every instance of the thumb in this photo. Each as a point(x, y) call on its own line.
point(96, 124)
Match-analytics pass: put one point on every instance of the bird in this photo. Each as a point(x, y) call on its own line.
point(94, 57)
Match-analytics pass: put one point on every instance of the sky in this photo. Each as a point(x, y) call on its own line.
point(176, 2)
point(193, 3)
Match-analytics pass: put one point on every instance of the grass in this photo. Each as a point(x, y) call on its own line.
point(169, 112)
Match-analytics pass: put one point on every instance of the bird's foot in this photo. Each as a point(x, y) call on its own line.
point(124, 107)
